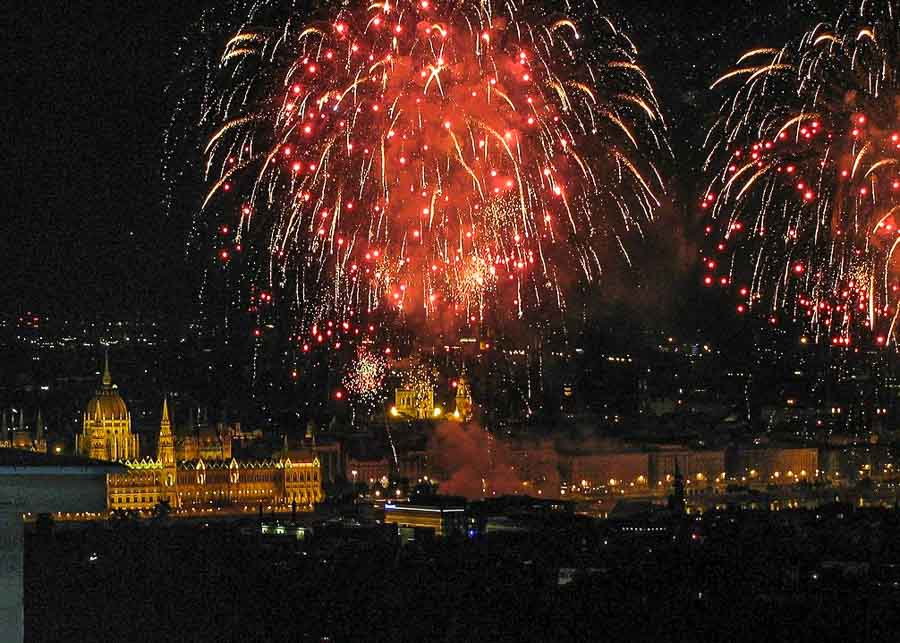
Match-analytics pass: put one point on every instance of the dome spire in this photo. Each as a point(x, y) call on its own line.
point(165, 426)
point(107, 378)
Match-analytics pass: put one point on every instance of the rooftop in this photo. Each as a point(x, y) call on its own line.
point(17, 459)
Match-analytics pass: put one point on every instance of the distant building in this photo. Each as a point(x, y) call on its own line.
point(218, 484)
point(413, 464)
point(637, 470)
point(413, 403)
point(367, 470)
point(416, 402)
point(700, 467)
point(536, 463)
point(106, 431)
point(463, 410)
point(440, 516)
point(604, 468)
point(21, 438)
point(205, 441)
point(327, 451)
point(772, 465)
point(284, 531)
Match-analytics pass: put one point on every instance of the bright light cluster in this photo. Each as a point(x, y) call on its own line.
point(365, 377)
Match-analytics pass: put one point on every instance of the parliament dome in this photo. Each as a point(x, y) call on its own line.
point(107, 404)
point(106, 432)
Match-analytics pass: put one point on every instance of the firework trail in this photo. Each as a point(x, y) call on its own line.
point(805, 193)
point(426, 157)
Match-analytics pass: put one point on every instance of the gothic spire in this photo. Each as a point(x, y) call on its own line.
point(165, 426)
point(107, 378)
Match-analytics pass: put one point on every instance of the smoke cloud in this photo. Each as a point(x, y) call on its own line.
point(471, 462)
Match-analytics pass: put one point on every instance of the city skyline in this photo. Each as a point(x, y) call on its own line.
point(428, 320)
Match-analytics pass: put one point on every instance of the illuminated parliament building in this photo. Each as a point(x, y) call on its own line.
point(216, 482)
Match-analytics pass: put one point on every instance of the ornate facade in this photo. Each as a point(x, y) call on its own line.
point(414, 403)
point(417, 402)
point(106, 431)
point(201, 485)
point(206, 443)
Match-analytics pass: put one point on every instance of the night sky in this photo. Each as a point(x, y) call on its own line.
point(85, 229)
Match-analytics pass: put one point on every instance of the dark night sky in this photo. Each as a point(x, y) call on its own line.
point(84, 227)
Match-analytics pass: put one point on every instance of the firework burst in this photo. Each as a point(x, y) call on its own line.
point(365, 379)
point(805, 195)
point(437, 157)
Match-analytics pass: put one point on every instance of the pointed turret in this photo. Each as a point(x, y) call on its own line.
point(309, 439)
point(165, 455)
point(39, 426)
point(107, 378)
point(165, 426)
point(165, 450)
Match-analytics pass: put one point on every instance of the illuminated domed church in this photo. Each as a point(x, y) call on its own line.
point(106, 433)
